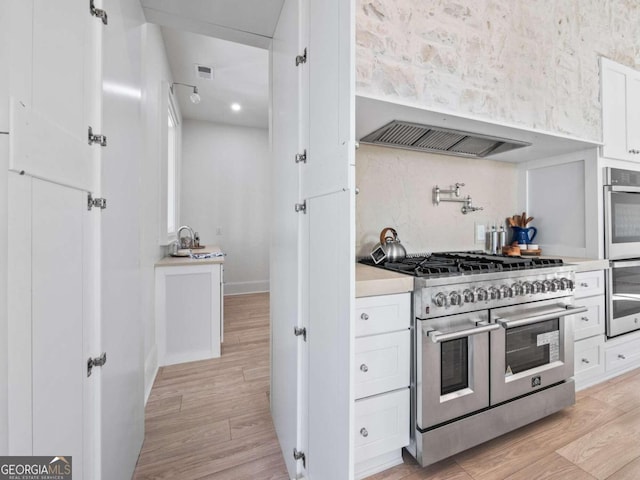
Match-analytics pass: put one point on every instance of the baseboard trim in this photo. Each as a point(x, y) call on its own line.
point(150, 372)
point(240, 288)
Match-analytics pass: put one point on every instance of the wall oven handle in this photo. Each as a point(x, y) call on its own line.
point(438, 337)
point(506, 323)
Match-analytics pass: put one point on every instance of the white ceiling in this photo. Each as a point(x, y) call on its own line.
point(251, 22)
point(240, 74)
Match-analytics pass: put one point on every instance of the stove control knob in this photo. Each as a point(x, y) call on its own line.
point(556, 285)
point(527, 288)
point(440, 300)
point(546, 286)
point(516, 288)
point(468, 296)
point(566, 284)
point(494, 293)
point(455, 299)
point(506, 291)
point(481, 294)
point(536, 287)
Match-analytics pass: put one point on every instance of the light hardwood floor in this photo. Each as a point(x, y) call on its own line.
point(210, 420)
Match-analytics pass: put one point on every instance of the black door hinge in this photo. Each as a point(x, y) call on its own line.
point(300, 59)
point(300, 456)
point(96, 362)
point(301, 207)
point(95, 138)
point(97, 12)
point(301, 157)
point(100, 203)
point(300, 331)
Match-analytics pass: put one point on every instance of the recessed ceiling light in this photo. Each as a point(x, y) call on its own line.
point(236, 107)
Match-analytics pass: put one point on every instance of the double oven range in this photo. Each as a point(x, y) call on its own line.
point(492, 347)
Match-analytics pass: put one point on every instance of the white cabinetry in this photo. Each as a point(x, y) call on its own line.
point(381, 381)
point(188, 312)
point(589, 327)
point(620, 111)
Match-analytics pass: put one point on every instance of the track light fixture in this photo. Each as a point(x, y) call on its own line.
point(195, 98)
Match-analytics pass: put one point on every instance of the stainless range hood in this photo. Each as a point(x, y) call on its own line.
point(426, 138)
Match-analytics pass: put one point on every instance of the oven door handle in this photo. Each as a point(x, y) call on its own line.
point(438, 337)
point(506, 323)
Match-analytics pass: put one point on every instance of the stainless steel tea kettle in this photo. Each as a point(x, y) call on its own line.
point(390, 244)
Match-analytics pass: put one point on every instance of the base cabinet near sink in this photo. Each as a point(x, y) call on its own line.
point(382, 376)
point(189, 312)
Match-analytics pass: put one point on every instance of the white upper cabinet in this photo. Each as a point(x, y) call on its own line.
point(328, 72)
point(620, 111)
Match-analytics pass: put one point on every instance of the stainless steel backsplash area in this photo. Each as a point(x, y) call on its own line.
point(396, 190)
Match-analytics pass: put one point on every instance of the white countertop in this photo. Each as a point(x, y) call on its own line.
point(372, 281)
point(583, 264)
point(170, 261)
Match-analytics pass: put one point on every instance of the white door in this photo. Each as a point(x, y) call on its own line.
point(59, 363)
point(328, 248)
point(122, 384)
point(284, 266)
point(51, 322)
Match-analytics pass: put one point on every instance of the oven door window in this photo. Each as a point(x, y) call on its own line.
point(626, 291)
point(454, 365)
point(625, 217)
point(532, 346)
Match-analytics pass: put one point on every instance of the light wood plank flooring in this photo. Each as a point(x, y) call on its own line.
point(597, 438)
point(210, 420)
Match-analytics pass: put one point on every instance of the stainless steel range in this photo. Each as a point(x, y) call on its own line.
point(492, 347)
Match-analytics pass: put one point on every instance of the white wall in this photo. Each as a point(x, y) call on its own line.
point(528, 63)
point(156, 74)
point(4, 165)
point(225, 187)
point(396, 191)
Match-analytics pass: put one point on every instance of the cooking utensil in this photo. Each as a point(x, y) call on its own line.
point(389, 249)
point(530, 219)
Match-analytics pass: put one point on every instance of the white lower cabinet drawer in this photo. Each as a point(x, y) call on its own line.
point(589, 357)
point(383, 313)
point(622, 356)
point(382, 363)
point(381, 424)
point(589, 283)
point(592, 321)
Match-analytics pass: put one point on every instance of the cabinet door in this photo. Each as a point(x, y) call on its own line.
point(122, 378)
point(59, 364)
point(620, 111)
point(633, 115)
point(54, 90)
point(285, 254)
point(330, 95)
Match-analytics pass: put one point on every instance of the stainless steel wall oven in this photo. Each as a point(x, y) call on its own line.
point(622, 247)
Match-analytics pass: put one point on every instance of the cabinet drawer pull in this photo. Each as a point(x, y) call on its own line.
point(584, 319)
point(364, 368)
point(584, 360)
point(364, 316)
point(584, 284)
point(621, 357)
point(363, 432)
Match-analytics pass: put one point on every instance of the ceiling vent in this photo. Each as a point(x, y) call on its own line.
point(204, 72)
point(425, 138)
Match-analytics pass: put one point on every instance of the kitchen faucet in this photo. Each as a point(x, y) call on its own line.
point(191, 234)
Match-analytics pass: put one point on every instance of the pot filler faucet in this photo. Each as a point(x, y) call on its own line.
point(191, 235)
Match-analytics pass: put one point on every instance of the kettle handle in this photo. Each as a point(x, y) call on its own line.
point(383, 235)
